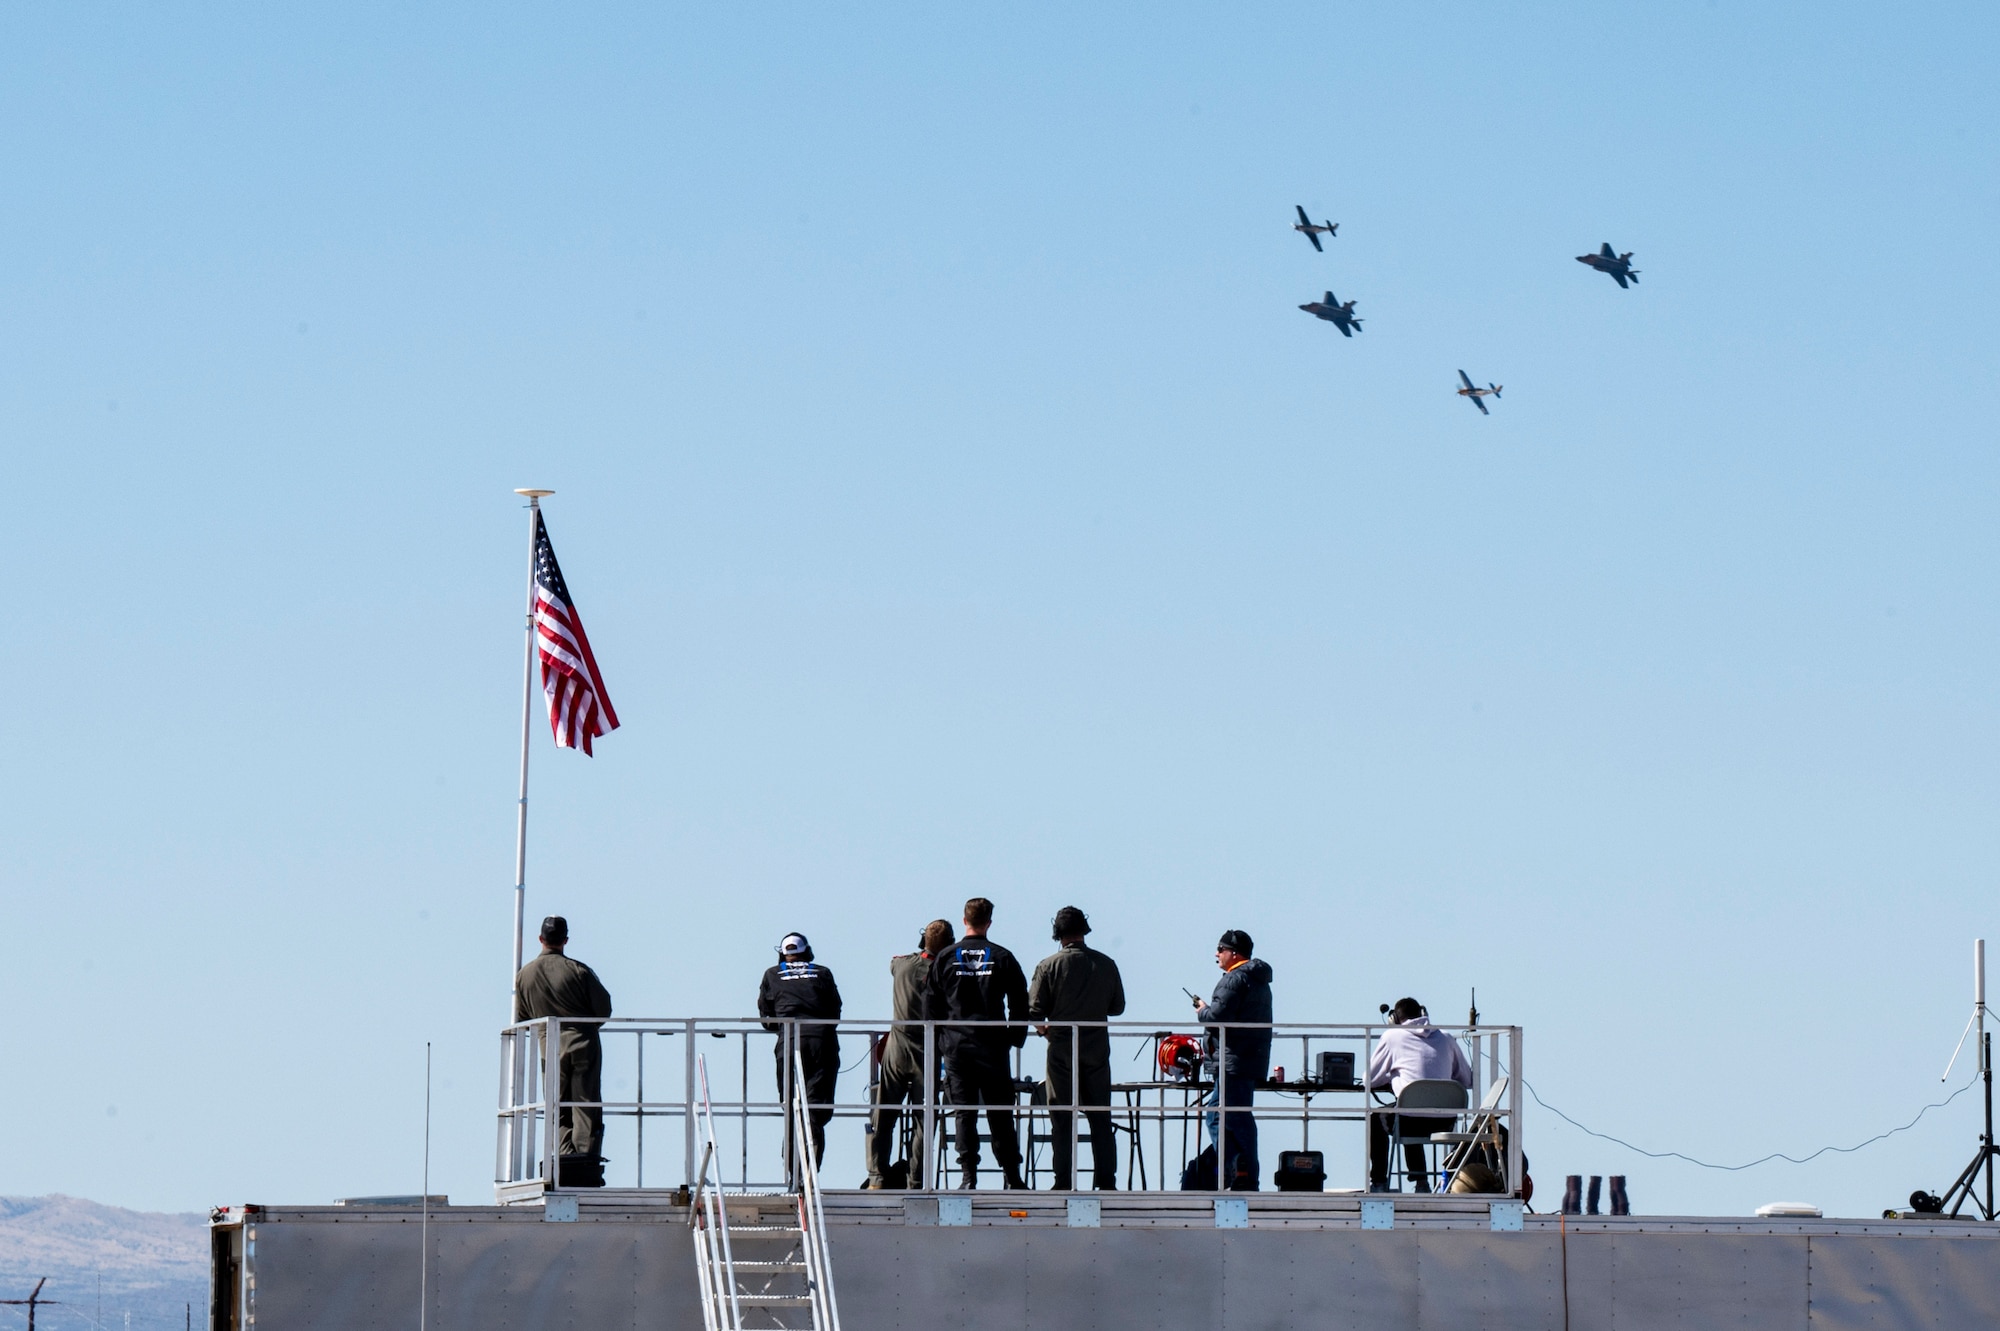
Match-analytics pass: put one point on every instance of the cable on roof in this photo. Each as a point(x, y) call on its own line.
point(1764, 1159)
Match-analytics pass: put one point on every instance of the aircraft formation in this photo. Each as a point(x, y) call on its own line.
point(1618, 267)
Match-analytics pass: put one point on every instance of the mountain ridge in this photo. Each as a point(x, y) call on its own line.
point(149, 1264)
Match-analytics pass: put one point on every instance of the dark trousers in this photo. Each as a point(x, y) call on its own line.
point(892, 1088)
point(976, 1077)
point(1416, 1164)
point(1094, 1087)
point(821, 1055)
point(582, 1072)
point(1234, 1133)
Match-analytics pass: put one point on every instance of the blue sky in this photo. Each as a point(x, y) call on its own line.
point(959, 504)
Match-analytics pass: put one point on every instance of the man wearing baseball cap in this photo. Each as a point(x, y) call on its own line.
point(800, 987)
point(553, 985)
point(1240, 1055)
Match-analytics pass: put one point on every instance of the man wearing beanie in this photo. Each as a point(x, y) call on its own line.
point(1240, 1056)
point(1078, 983)
point(552, 985)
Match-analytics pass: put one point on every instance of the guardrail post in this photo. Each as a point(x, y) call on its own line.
point(1514, 1147)
point(687, 1108)
point(933, 1163)
point(552, 1097)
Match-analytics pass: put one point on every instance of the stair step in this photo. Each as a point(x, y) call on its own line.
point(773, 1300)
point(768, 1266)
point(765, 1229)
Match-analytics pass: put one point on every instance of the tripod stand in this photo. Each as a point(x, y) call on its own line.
point(1961, 1191)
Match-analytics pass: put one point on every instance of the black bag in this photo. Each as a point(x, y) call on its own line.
point(579, 1171)
point(1199, 1176)
point(1300, 1171)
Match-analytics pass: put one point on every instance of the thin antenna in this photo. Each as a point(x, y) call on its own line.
point(1978, 1017)
point(424, 1228)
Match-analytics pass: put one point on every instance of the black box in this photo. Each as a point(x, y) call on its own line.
point(1300, 1171)
point(579, 1171)
point(1336, 1067)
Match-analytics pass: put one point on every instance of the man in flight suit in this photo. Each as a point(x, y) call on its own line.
point(902, 1072)
point(798, 986)
point(978, 980)
point(1078, 983)
point(554, 986)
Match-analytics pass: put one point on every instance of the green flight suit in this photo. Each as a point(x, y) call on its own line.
point(1079, 983)
point(552, 985)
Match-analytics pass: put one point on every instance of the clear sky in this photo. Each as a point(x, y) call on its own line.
point(959, 504)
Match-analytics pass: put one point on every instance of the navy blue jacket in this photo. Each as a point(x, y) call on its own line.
point(977, 980)
point(1243, 994)
point(799, 989)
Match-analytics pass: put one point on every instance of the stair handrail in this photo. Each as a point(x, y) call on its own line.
point(709, 1215)
point(812, 1214)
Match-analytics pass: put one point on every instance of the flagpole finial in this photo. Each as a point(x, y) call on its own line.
point(533, 495)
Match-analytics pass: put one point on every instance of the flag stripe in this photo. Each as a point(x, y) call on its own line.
point(579, 708)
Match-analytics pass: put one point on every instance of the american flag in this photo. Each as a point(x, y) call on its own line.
point(579, 708)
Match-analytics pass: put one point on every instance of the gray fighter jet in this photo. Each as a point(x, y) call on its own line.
point(1474, 394)
point(1617, 266)
point(1309, 228)
point(1339, 315)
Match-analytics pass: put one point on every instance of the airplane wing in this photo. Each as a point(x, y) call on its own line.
point(1619, 278)
point(1607, 251)
point(1303, 219)
point(1462, 379)
point(1482, 407)
point(1315, 240)
point(1346, 330)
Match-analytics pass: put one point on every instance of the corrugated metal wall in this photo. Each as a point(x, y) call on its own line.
point(493, 1270)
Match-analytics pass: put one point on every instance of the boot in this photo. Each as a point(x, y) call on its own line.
point(968, 1179)
point(1015, 1182)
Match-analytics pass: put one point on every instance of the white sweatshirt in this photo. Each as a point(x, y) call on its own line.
point(1417, 1051)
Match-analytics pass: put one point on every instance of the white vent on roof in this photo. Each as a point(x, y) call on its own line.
point(1788, 1211)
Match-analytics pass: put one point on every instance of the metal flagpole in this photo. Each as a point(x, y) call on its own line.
point(535, 498)
point(424, 1232)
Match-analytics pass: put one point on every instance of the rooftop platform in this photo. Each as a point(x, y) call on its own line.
point(618, 1259)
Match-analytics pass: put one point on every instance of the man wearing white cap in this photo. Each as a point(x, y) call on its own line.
point(799, 987)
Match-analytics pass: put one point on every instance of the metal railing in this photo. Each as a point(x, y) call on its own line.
point(651, 1087)
point(812, 1214)
point(715, 1262)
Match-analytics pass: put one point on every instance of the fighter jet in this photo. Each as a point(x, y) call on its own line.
point(1491, 390)
point(1619, 266)
point(1339, 315)
point(1307, 227)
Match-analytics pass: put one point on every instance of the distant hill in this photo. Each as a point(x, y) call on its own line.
point(144, 1264)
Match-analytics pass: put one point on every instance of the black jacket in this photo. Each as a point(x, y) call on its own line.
point(799, 989)
point(976, 980)
point(1243, 994)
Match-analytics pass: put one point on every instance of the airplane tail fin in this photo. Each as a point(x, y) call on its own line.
point(1634, 275)
point(1495, 388)
point(1332, 228)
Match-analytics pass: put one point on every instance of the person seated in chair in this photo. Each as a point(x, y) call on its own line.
point(1410, 1050)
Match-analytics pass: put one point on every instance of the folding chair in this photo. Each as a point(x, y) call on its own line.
point(1423, 1099)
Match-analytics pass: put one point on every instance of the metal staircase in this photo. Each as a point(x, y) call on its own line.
point(786, 1282)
